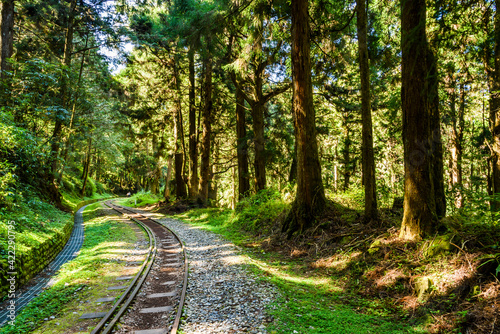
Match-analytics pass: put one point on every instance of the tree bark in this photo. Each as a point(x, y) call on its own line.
point(495, 116)
point(207, 128)
point(310, 198)
point(178, 154)
point(419, 201)
point(456, 140)
point(436, 147)
point(166, 191)
point(259, 145)
point(346, 151)
point(242, 142)
point(193, 141)
point(86, 167)
point(257, 101)
point(6, 36)
point(366, 116)
point(59, 119)
point(67, 141)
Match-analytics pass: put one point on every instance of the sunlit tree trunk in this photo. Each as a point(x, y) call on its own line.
point(419, 201)
point(366, 116)
point(456, 140)
point(310, 197)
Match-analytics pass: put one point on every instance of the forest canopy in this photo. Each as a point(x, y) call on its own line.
point(392, 104)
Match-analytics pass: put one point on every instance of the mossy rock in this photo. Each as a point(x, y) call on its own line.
point(440, 245)
point(423, 287)
point(375, 246)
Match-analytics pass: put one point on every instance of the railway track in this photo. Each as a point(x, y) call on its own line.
point(152, 302)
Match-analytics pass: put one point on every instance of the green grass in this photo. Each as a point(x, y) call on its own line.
point(71, 201)
point(142, 198)
point(302, 310)
point(310, 302)
point(78, 279)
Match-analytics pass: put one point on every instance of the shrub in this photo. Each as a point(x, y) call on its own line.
point(259, 211)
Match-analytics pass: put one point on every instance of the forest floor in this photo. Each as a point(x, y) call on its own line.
point(347, 276)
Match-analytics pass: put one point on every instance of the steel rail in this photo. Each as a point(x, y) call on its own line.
point(175, 326)
point(142, 274)
point(176, 323)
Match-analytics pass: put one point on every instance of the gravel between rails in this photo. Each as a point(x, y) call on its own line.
point(223, 296)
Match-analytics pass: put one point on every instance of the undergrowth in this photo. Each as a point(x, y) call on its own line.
point(346, 276)
point(141, 198)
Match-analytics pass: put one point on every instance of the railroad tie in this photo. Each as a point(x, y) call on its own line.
point(93, 315)
point(168, 283)
point(176, 264)
point(105, 300)
point(119, 287)
point(156, 309)
point(162, 294)
point(151, 331)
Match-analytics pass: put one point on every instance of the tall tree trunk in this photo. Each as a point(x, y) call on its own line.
point(310, 198)
point(366, 116)
point(346, 152)
point(59, 119)
point(207, 128)
point(6, 36)
point(67, 141)
point(259, 145)
point(456, 139)
point(419, 201)
point(212, 181)
point(242, 141)
point(157, 153)
point(86, 167)
point(178, 154)
point(495, 116)
point(257, 104)
point(193, 141)
point(292, 176)
point(166, 191)
point(436, 147)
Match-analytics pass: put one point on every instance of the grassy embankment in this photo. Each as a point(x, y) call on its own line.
point(81, 281)
point(37, 222)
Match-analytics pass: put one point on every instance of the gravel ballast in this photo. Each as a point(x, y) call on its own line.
point(223, 296)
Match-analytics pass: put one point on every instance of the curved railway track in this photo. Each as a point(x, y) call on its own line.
point(153, 301)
